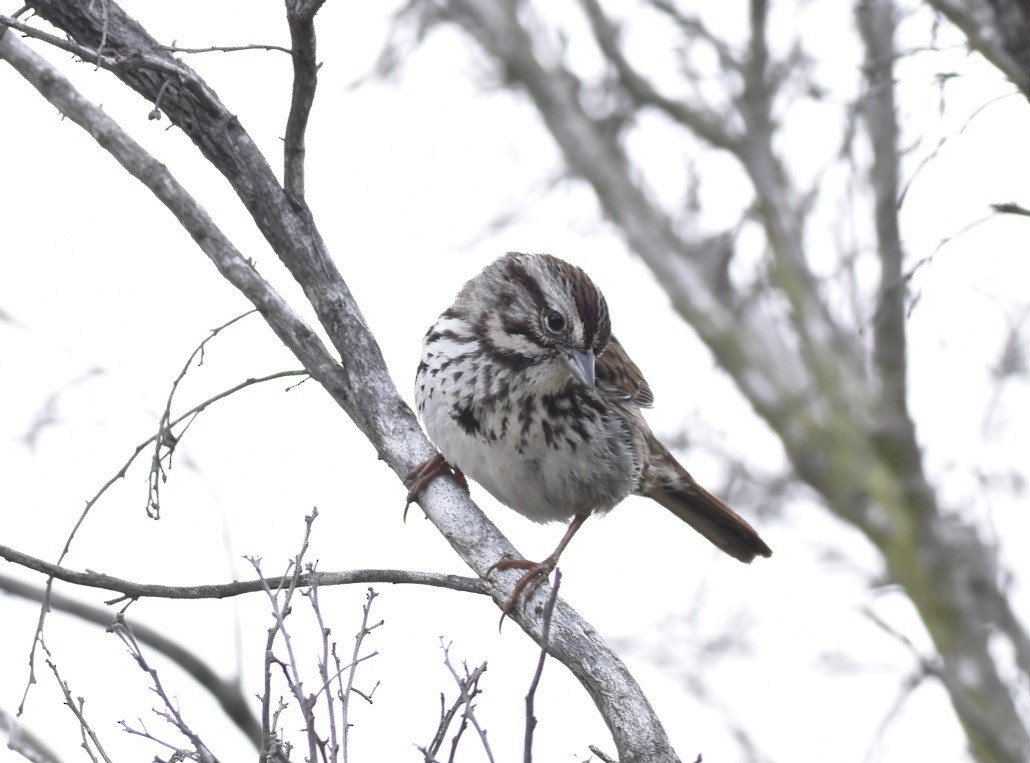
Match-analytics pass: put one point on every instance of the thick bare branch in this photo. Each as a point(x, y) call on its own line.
point(363, 386)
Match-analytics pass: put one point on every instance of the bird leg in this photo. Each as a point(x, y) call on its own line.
point(428, 471)
point(536, 572)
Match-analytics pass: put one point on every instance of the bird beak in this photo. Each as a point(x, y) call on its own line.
point(581, 363)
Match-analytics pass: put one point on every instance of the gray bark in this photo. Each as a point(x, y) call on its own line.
point(359, 381)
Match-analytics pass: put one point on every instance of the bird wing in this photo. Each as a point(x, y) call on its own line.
point(615, 371)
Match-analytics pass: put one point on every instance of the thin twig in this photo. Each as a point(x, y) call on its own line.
point(467, 690)
point(193, 412)
point(349, 688)
point(223, 48)
point(131, 590)
point(332, 742)
point(115, 62)
point(545, 637)
point(77, 709)
point(604, 758)
point(227, 693)
point(165, 441)
point(280, 611)
point(171, 712)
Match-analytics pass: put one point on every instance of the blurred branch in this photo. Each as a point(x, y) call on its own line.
point(876, 24)
point(228, 694)
point(705, 122)
point(742, 342)
point(24, 742)
point(1011, 208)
point(997, 29)
point(803, 372)
point(693, 27)
point(969, 712)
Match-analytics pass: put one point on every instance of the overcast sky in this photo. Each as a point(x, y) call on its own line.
point(105, 297)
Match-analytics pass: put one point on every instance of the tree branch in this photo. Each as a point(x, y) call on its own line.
point(705, 123)
point(226, 693)
point(131, 590)
point(743, 343)
point(363, 387)
point(977, 21)
point(876, 24)
point(23, 741)
point(301, 17)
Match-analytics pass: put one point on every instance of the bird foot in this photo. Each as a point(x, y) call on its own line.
point(528, 584)
point(428, 471)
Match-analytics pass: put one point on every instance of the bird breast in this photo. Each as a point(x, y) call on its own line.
point(549, 453)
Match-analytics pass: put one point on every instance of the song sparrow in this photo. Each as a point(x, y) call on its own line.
point(523, 388)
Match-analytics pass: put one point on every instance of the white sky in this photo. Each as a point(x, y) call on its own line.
point(108, 298)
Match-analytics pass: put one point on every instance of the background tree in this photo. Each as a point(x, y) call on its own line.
point(812, 331)
point(829, 378)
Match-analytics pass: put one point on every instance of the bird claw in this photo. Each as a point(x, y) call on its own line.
point(428, 471)
point(527, 586)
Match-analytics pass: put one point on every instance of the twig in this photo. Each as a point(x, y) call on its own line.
point(545, 637)
point(323, 670)
point(115, 62)
point(280, 611)
point(171, 711)
point(467, 690)
point(969, 711)
point(193, 412)
point(165, 441)
point(226, 692)
point(223, 48)
point(705, 121)
point(349, 688)
point(604, 758)
point(300, 14)
point(88, 735)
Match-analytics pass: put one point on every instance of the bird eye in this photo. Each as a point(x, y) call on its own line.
point(555, 321)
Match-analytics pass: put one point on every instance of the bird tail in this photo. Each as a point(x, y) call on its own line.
point(668, 483)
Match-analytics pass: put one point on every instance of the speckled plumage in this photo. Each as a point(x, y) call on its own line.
point(523, 388)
